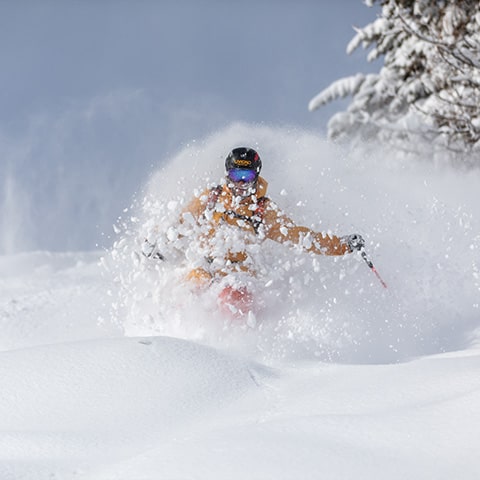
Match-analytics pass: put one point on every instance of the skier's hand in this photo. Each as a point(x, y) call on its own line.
point(354, 241)
point(150, 250)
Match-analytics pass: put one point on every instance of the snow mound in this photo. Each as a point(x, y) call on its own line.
point(362, 422)
point(69, 399)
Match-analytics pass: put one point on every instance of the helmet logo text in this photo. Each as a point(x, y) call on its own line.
point(243, 163)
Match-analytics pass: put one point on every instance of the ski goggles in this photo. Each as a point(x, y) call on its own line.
point(242, 175)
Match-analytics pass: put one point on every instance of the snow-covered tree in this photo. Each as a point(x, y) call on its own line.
point(429, 85)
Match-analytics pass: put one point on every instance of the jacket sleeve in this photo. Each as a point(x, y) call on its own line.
point(281, 228)
point(195, 208)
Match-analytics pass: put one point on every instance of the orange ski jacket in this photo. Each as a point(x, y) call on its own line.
point(260, 216)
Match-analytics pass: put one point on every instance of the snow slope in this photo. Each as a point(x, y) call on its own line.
point(91, 402)
point(340, 379)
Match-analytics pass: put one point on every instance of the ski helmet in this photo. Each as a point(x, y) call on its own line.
point(243, 158)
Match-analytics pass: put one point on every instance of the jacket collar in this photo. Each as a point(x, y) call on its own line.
point(262, 186)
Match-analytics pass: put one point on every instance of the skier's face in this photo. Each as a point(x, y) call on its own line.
point(242, 189)
point(241, 182)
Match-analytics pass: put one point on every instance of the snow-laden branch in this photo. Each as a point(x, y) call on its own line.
point(339, 89)
point(430, 76)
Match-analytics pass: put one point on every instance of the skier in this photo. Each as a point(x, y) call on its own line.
point(241, 204)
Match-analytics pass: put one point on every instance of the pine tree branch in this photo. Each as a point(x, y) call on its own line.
point(455, 52)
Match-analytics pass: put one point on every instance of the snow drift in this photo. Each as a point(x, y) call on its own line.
point(71, 397)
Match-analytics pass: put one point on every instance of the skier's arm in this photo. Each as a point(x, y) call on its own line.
point(189, 216)
point(281, 228)
point(196, 207)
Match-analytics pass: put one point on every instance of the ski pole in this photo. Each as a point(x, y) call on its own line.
point(374, 270)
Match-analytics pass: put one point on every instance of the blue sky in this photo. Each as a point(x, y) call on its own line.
point(94, 94)
point(257, 60)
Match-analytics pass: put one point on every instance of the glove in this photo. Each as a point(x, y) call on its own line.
point(354, 241)
point(149, 250)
